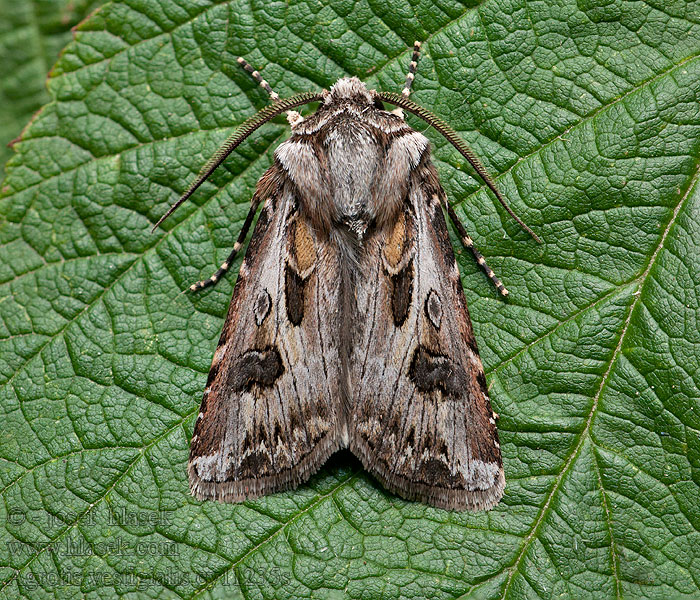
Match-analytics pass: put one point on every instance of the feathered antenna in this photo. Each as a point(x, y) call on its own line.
point(248, 127)
point(451, 136)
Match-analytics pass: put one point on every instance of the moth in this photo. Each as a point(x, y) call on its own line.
point(348, 326)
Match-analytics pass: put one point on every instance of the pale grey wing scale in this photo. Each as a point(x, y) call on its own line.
point(270, 415)
point(421, 418)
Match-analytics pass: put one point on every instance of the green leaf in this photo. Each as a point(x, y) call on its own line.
point(587, 112)
point(31, 36)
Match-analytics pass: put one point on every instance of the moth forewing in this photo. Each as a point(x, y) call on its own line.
point(348, 325)
point(422, 420)
point(269, 416)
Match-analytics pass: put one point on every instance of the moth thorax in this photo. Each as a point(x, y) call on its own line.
point(353, 164)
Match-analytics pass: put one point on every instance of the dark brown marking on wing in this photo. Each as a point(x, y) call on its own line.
point(203, 407)
point(257, 367)
point(256, 464)
point(263, 304)
point(430, 372)
point(427, 441)
point(402, 291)
point(208, 432)
point(440, 227)
point(481, 379)
point(434, 472)
point(213, 372)
point(433, 308)
point(260, 228)
point(246, 445)
point(410, 439)
point(294, 295)
point(471, 342)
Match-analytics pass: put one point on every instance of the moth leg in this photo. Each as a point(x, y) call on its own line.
point(411, 70)
point(293, 116)
point(226, 265)
point(469, 243)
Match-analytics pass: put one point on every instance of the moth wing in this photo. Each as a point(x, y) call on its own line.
point(270, 414)
point(421, 417)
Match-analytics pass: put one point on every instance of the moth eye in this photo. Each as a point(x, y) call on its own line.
point(378, 103)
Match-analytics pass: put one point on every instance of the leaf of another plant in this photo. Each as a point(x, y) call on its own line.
point(31, 36)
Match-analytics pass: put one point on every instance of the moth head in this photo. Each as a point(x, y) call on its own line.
point(349, 89)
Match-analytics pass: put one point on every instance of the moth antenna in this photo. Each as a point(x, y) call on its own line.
point(406, 92)
point(293, 116)
point(274, 96)
point(238, 136)
point(451, 136)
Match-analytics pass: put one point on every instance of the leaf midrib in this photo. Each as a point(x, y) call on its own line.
point(585, 433)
